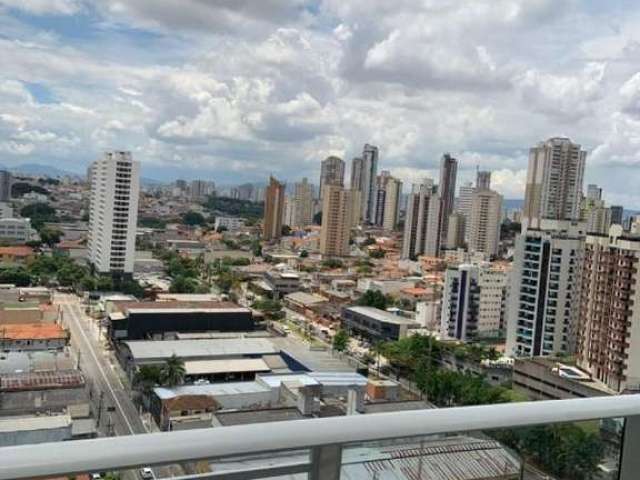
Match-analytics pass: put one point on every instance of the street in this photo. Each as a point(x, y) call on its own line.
point(116, 412)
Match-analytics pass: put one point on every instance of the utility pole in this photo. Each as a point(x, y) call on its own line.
point(101, 400)
point(78, 359)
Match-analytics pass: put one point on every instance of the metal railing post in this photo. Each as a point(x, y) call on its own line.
point(326, 462)
point(629, 458)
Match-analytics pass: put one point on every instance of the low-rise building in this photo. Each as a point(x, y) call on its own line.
point(20, 255)
point(376, 325)
point(35, 429)
point(33, 336)
point(543, 378)
point(140, 320)
point(41, 391)
point(16, 230)
point(282, 283)
point(301, 301)
point(229, 223)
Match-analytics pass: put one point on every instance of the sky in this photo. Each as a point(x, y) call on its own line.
point(236, 90)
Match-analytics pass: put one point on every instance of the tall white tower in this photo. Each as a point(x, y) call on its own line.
point(113, 218)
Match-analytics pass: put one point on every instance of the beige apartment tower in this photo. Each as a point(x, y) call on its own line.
point(608, 344)
point(337, 213)
point(303, 201)
point(274, 200)
point(554, 182)
point(484, 222)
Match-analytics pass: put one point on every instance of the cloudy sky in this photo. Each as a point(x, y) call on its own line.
point(233, 90)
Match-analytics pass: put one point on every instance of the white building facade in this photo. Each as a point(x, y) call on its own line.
point(113, 218)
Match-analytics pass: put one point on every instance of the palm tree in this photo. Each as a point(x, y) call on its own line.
point(174, 371)
point(148, 376)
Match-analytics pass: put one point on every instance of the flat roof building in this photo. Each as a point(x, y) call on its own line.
point(376, 324)
point(142, 320)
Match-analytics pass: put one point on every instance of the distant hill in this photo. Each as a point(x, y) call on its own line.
point(37, 169)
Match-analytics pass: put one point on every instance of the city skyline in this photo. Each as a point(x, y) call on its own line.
point(83, 77)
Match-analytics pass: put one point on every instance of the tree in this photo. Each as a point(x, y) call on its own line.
point(332, 263)
point(183, 284)
point(304, 254)
point(340, 341)
point(50, 236)
point(193, 218)
point(286, 230)
point(15, 275)
point(173, 371)
point(374, 298)
point(104, 283)
point(88, 283)
point(39, 213)
point(148, 376)
point(221, 228)
point(377, 253)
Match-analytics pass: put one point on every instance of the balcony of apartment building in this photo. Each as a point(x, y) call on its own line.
point(433, 444)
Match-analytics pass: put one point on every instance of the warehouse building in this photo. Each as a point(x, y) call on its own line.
point(154, 320)
point(376, 325)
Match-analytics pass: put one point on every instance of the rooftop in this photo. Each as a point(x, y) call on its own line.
point(258, 416)
point(381, 315)
point(305, 298)
point(180, 306)
point(16, 251)
point(32, 331)
point(45, 422)
point(212, 389)
point(185, 349)
point(15, 382)
point(210, 367)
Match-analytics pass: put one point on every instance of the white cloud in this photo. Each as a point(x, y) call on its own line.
point(44, 7)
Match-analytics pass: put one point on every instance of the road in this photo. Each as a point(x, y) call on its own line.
point(108, 388)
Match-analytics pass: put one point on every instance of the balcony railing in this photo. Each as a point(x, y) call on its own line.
point(322, 438)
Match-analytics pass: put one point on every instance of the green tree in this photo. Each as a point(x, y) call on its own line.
point(377, 253)
point(50, 236)
point(173, 372)
point(183, 284)
point(332, 263)
point(88, 283)
point(39, 213)
point(340, 341)
point(286, 230)
point(304, 254)
point(373, 298)
point(193, 218)
point(148, 376)
point(15, 275)
point(104, 283)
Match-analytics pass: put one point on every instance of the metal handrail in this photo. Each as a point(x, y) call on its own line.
point(65, 458)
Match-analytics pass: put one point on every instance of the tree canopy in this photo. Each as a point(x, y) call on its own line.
point(374, 298)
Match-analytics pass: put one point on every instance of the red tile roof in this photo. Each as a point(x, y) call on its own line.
point(17, 251)
point(32, 331)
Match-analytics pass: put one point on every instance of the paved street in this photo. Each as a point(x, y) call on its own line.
point(102, 370)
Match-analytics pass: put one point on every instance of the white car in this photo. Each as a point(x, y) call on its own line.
point(147, 474)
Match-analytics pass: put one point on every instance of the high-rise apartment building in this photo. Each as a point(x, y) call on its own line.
point(594, 192)
point(368, 183)
point(6, 180)
point(337, 211)
point(483, 180)
point(598, 218)
point(289, 217)
point(113, 216)
point(200, 189)
point(554, 182)
point(617, 213)
point(274, 200)
point(473, 301)
point(465, 200)
point(608, 344)
point(393, 191)
point(544, 286)
point(455, 236)
point(484, 222)
point(303, 204)
point(388, 190)
point(422, 224)
point(331, 172)
point(447, 192)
